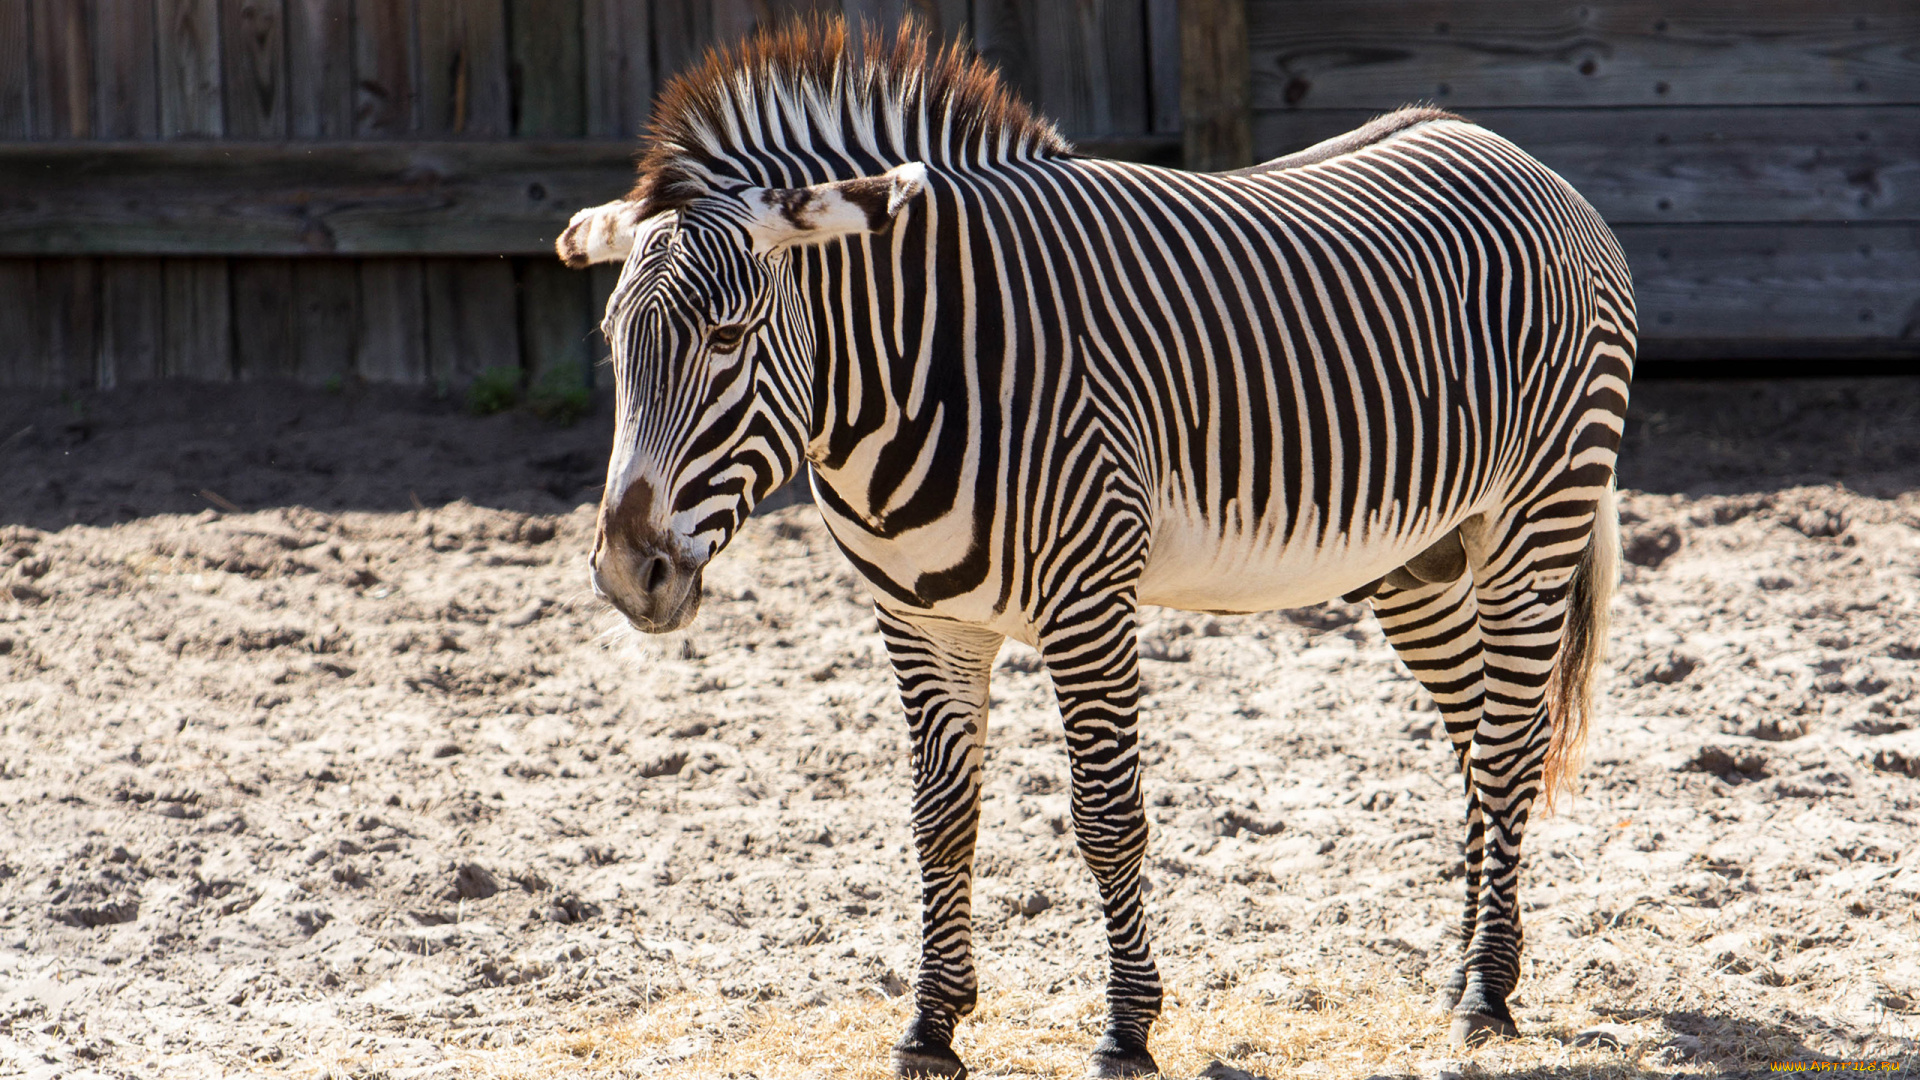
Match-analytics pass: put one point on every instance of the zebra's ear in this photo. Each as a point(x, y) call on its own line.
point(600, 234)
point(809, 215)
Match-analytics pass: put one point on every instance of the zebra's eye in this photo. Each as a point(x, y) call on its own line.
point(726, 338)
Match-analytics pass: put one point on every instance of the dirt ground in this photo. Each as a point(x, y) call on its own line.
point(318, 758)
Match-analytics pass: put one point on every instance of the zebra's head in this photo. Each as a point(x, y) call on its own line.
point(712, 359)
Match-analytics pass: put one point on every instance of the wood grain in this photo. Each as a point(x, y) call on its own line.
point(392, 335)
point(126, 84)
point(1163, 65)
point(197, 341)
point(1744, 284)
point(557, 324)
point(1214, 111)
point(463, 68)
point(945, 19)
point(1092, 82)
point(1004, 35)
point(1707, 165)
point(263, 328)
point(546, 52)
point(326, 320)
point(187, 51)
point(619, 67)
point(602, 279)
point(254, 63)
point(19, 324)
point(383, 74)
point(63, 70)
point(365, 198)
point(472, 322)
point(16, 75)
point(320, 93)
point(132, 321)
point(66, 302)
point(1379, 54)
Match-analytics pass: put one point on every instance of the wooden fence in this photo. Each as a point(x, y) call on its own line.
point(1759, 159)
point(341, 189)
point(334, 189)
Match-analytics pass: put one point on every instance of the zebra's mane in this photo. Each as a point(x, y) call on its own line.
point(809, 102)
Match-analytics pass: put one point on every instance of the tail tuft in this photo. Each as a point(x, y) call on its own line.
point(1570, 688)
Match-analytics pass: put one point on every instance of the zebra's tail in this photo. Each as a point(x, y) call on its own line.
point(1570, 688)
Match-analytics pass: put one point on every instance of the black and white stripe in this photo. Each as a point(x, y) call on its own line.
point(1038, 390)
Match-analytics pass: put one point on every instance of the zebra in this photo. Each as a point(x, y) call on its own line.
point(1036, 390)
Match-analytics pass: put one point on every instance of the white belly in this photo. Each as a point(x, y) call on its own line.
point(1198, 565)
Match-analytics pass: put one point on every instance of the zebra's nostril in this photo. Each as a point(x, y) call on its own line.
point(656, 573)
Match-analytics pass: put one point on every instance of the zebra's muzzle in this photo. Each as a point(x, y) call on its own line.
point(638, 568)
point(654, 590)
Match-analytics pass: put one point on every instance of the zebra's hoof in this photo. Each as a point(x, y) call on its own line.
point(930, 1062)
point(1111, 1059)
point(1451, 991)
point(1473, 1028)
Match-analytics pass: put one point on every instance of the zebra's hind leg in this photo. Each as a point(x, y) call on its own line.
point(942, 670)
point(1522, 588)
point(1094, 661)
point(1435, 629)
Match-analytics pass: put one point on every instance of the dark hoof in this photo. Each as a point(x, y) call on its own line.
point(928, 1061)
point(1451, 991)
point(1111, 1059)
point(1477, 1028)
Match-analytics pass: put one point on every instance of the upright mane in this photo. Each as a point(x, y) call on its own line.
point(808, 102)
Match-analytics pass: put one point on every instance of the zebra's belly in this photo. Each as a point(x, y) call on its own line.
point(1197, 565)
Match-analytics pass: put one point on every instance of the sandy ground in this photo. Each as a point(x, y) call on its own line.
point(316, 757)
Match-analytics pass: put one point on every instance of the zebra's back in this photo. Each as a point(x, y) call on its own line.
point(1349, 357)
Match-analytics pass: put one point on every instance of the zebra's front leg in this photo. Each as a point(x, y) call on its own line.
point(942, 670)
point(1094, 661)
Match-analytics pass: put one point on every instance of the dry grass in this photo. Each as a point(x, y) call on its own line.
point(1356, 1032)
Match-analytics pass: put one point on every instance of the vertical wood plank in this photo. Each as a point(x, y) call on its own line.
point(1216, 117)
point(601, 281)
point(132, 321)
point(126, 87)
point(197, 324)
point(384, 87)
point(392, 346)
point(551, 84)
point(197, 334)
point(463, 68)
point(188, 60)
point(126, 105)
point(766, 14)
point(682, 31)
point(1163, 65)
point(19, 327)
point(320, 69)
point(390, 339)
point(547, 70)
point(944, 19)
point(1003, 35)
point(16, 74)
point(254, 61)
point(63, 70)
point(471, 323)
point(66, 301)
point(263, 319)
point(556, 323)
point(326, 316)
point(619, 66)
point(1095, 52)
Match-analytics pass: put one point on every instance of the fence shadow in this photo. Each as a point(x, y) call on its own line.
point(174, 447)
point(1737, 436)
